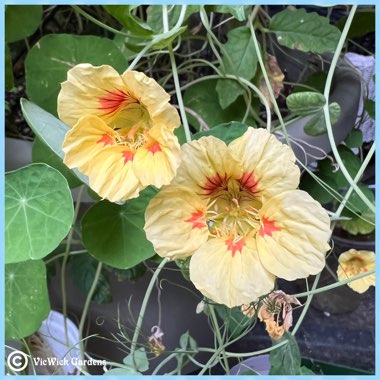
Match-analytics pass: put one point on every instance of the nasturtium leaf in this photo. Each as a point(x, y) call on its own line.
point(352, 164)
point(180, 133)
point(226, 132)
point(306, 371)
point(122, 13)
point(364, 224)
point(9, 83)
point(317, 124)
point(240, 59)
point(26, 298)
point(370, 107)
point(83, 268)
point(362, 24)
point(42, 153)
point(354, 139)
point(49, 129)
point(38, 212)
point(154, 15)
point(47, 63)
point(311, 103)
point(355, 203)
point(203, 100)
point(315, 82)
point(286, 359)
point(309, 32)
point(305, 103)
point(238, 11)
point(316, 190)
point(21, 21)
point(138, 361)
point(114, 234)
point(165, 39)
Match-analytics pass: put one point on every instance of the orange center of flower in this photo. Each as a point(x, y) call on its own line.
point(233, 211)
point(114, 101)
point(355, 266)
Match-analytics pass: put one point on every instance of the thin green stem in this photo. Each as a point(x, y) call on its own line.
point(63, 254)
point(335, 285)
point(219, 337)
point(327, 113)
point(65, 260)
point(87, 305)
point(144, 305)
point(162, 364)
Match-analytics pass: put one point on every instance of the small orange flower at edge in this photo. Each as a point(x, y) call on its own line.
point(353, 263)
point(122, 130)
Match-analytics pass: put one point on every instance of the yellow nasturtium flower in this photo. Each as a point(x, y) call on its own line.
point(353, 263)
point(236, 211)
point(121, 133)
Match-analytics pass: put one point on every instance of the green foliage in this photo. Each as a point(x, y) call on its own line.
point(131, 274)
point(154, 16)
point(203, 99)
point(309, 32)
point(49, 129)
point(370, 107)
point(226, 132)
point(311, 103)
point(83, 269)
point(365, 224)
point(362, 24)
point(138, 361)
point(355, 203)
point(9, 83)
point(42, 153)
point(114, 234)
point(184, 265)
point(26, 298)
point(286, 359)
point(26, 18)
point(316, 190)
point(38, 212)
point(240, 59)
point(354, 139)
point(122, 13)
point(238, 11)
point(49, 60)
point(167, 38)
point(235, 321)
point(187, 342)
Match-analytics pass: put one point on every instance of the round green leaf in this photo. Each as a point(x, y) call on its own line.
point(49, 60)
point(298, 29)
point(21, 21)
point(114, 234)
point(38, 212)
point(305, 103)
point(42, 153)
point(203, 100)
point(317, 124)
point(26, 298)
point(226, 132)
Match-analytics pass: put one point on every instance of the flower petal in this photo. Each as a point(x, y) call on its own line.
point(176, 223)
point(111, 174)
point(153, 97)
point(292, 241)
point(157, 161)
point(268, 164)
point(85, 140)
point(227, 276)
point(353, 263)
point(206, 164)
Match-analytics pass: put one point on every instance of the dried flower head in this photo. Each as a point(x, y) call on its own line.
point(155, 341)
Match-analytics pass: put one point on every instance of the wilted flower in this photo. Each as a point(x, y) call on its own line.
point(122, 130)
point(353, 263)
point(277, 313)
point(155, 341)
point(235, 210)
point(248, 310)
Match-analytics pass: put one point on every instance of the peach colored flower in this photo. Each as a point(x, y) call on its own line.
point(122, 130)
point(236, 211)
point(353, 263)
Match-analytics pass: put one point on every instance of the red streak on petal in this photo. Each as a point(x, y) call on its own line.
point(197, 219)
point(155, 148)
point(235, 246)
point(248, 181)
point(268, 227)
point(215, 183)
point(128, 156)
point(106, 140)
point(114, 100)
